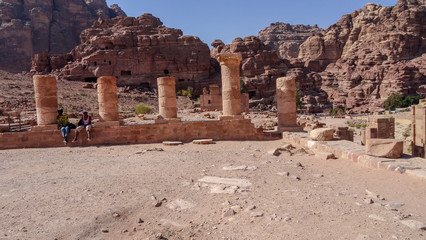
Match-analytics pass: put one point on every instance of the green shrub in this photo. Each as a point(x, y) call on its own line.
point(396, 100)
point(351, 124)
point(189, 92)
point(364, 126)
point(358, 125)
point(141, 108)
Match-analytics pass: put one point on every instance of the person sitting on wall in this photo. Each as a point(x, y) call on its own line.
point(85, 122)
point(63, 124)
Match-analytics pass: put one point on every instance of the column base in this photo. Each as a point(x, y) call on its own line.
point(167, 120)
point(41, 128)
point(231, 117)
point(107, 124)
point(290, 129)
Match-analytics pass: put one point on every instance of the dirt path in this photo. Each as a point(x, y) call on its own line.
point(128, 192)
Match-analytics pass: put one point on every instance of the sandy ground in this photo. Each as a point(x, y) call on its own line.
point(140, 192)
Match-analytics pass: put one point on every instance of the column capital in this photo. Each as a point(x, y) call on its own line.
point(229, 58)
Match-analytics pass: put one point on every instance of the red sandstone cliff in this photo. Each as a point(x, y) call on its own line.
point(136, 51)
point(371, 53)
point(357, 62)
point(29, 27)
point(286, 39)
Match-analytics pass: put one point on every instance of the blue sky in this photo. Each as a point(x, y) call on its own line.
point(228, 19)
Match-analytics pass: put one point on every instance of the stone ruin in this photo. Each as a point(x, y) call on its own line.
point(379, 138)
point(418, 129)
point(211, 101)
point(230, 126)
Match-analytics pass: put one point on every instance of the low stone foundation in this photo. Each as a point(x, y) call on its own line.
point(240, 129)
point(347, 150)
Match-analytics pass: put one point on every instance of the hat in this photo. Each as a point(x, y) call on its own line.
point(84, 111)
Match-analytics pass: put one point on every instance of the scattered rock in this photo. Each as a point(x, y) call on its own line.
point(283, 173)
point(203, 141)
point(223, 189)
point(251, 207)
point(239, 168)
point(226, 181)
point(104, 230)
point(116, 215)
point(392, 205)
point(377, 218)
point(154, 150)
point(299, 165)
point(284, 148)
point(156, 202)
point(140, 220)
point(413, 224)
point(180, 204)
point(256, 214)
point(172, 143)
point(373, 195)
point(325, 155)
point(318, 175)
point(322, 134)
point(296, 178)
point(228, 212)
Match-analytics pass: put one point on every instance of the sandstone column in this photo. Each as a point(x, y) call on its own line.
point(167, 97)
point(286, 104)
point(108, 99)
point(46, 99)
point(231, 96)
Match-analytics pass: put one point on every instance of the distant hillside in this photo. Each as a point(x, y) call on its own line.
point(28, 27)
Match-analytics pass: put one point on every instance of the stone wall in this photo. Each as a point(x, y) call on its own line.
point(381, 127)
point(418, 128)
point(212, 100)
point(240, 130)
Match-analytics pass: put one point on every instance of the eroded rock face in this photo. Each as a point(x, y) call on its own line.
point(136, 51)
point(286, 39)
point(371, 53)
point(29, 27)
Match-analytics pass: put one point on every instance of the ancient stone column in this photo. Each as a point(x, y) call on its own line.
point(231, 97)
point(108, 99)
point(167, 97)
point(286, 104)
point(46, 99)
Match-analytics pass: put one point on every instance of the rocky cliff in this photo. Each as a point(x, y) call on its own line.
point(286, 39)
point(135, 50)
point(371, 53)
point(28, 27)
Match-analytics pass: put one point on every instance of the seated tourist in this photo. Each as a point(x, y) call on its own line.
point(63, 124)
point(85, 122)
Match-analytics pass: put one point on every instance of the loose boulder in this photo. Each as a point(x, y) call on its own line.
point(322, 134)
point(387, 148)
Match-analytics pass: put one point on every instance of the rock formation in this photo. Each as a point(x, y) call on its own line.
point(286, 39)
point(136, 51)
point(29, 27)
point(371, 53)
